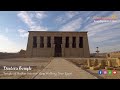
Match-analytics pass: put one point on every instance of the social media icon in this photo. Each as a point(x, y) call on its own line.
point(100, 72)
point(104, 71)
point(109, 71)
point(114, 72)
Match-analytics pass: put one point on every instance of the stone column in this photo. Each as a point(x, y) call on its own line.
point(109, 63)
point(52, 45)
point(77, 42)
point(38, 46)
point(102, 64)
point(118, 61)
point(70, 44)
point(63, 46)
point(38, 42)
point(45, 42)
point(95, 63)
point(88, 62)
point(84, 46)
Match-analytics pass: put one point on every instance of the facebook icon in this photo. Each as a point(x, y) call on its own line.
point(100, 72)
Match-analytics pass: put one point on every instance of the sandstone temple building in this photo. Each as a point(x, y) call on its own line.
point(57, 44)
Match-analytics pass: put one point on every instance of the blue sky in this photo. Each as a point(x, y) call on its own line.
point(14, 27)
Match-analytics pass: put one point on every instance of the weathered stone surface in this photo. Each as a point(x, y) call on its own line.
point(109, 68)
point(60, 68)
point(118, 61)
point(109, 63)
point(118, 68)
point(95, 63)
point(94, 68)
point(114, 55)
point(85, 67)
point(102, 64)
point(89, 63)
point(51, 51)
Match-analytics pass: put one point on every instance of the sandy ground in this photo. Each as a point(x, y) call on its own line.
point(48, 68)
point(95, 72)
point(42, 68)
point(59, 68)
point(37, 64)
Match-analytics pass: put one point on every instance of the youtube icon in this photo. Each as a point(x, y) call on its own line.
point(114, 72)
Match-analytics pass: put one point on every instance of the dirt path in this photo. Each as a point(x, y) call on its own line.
point(59, 68)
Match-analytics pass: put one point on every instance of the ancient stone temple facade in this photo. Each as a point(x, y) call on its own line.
point(57, 44)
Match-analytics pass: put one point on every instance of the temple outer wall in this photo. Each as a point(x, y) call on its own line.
point(49, 52)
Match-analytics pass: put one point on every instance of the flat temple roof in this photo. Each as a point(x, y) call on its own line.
point(62, 31)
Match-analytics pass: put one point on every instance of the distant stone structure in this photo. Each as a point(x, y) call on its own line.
point(57, 44)
point(22, 53)
point(113, 54)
